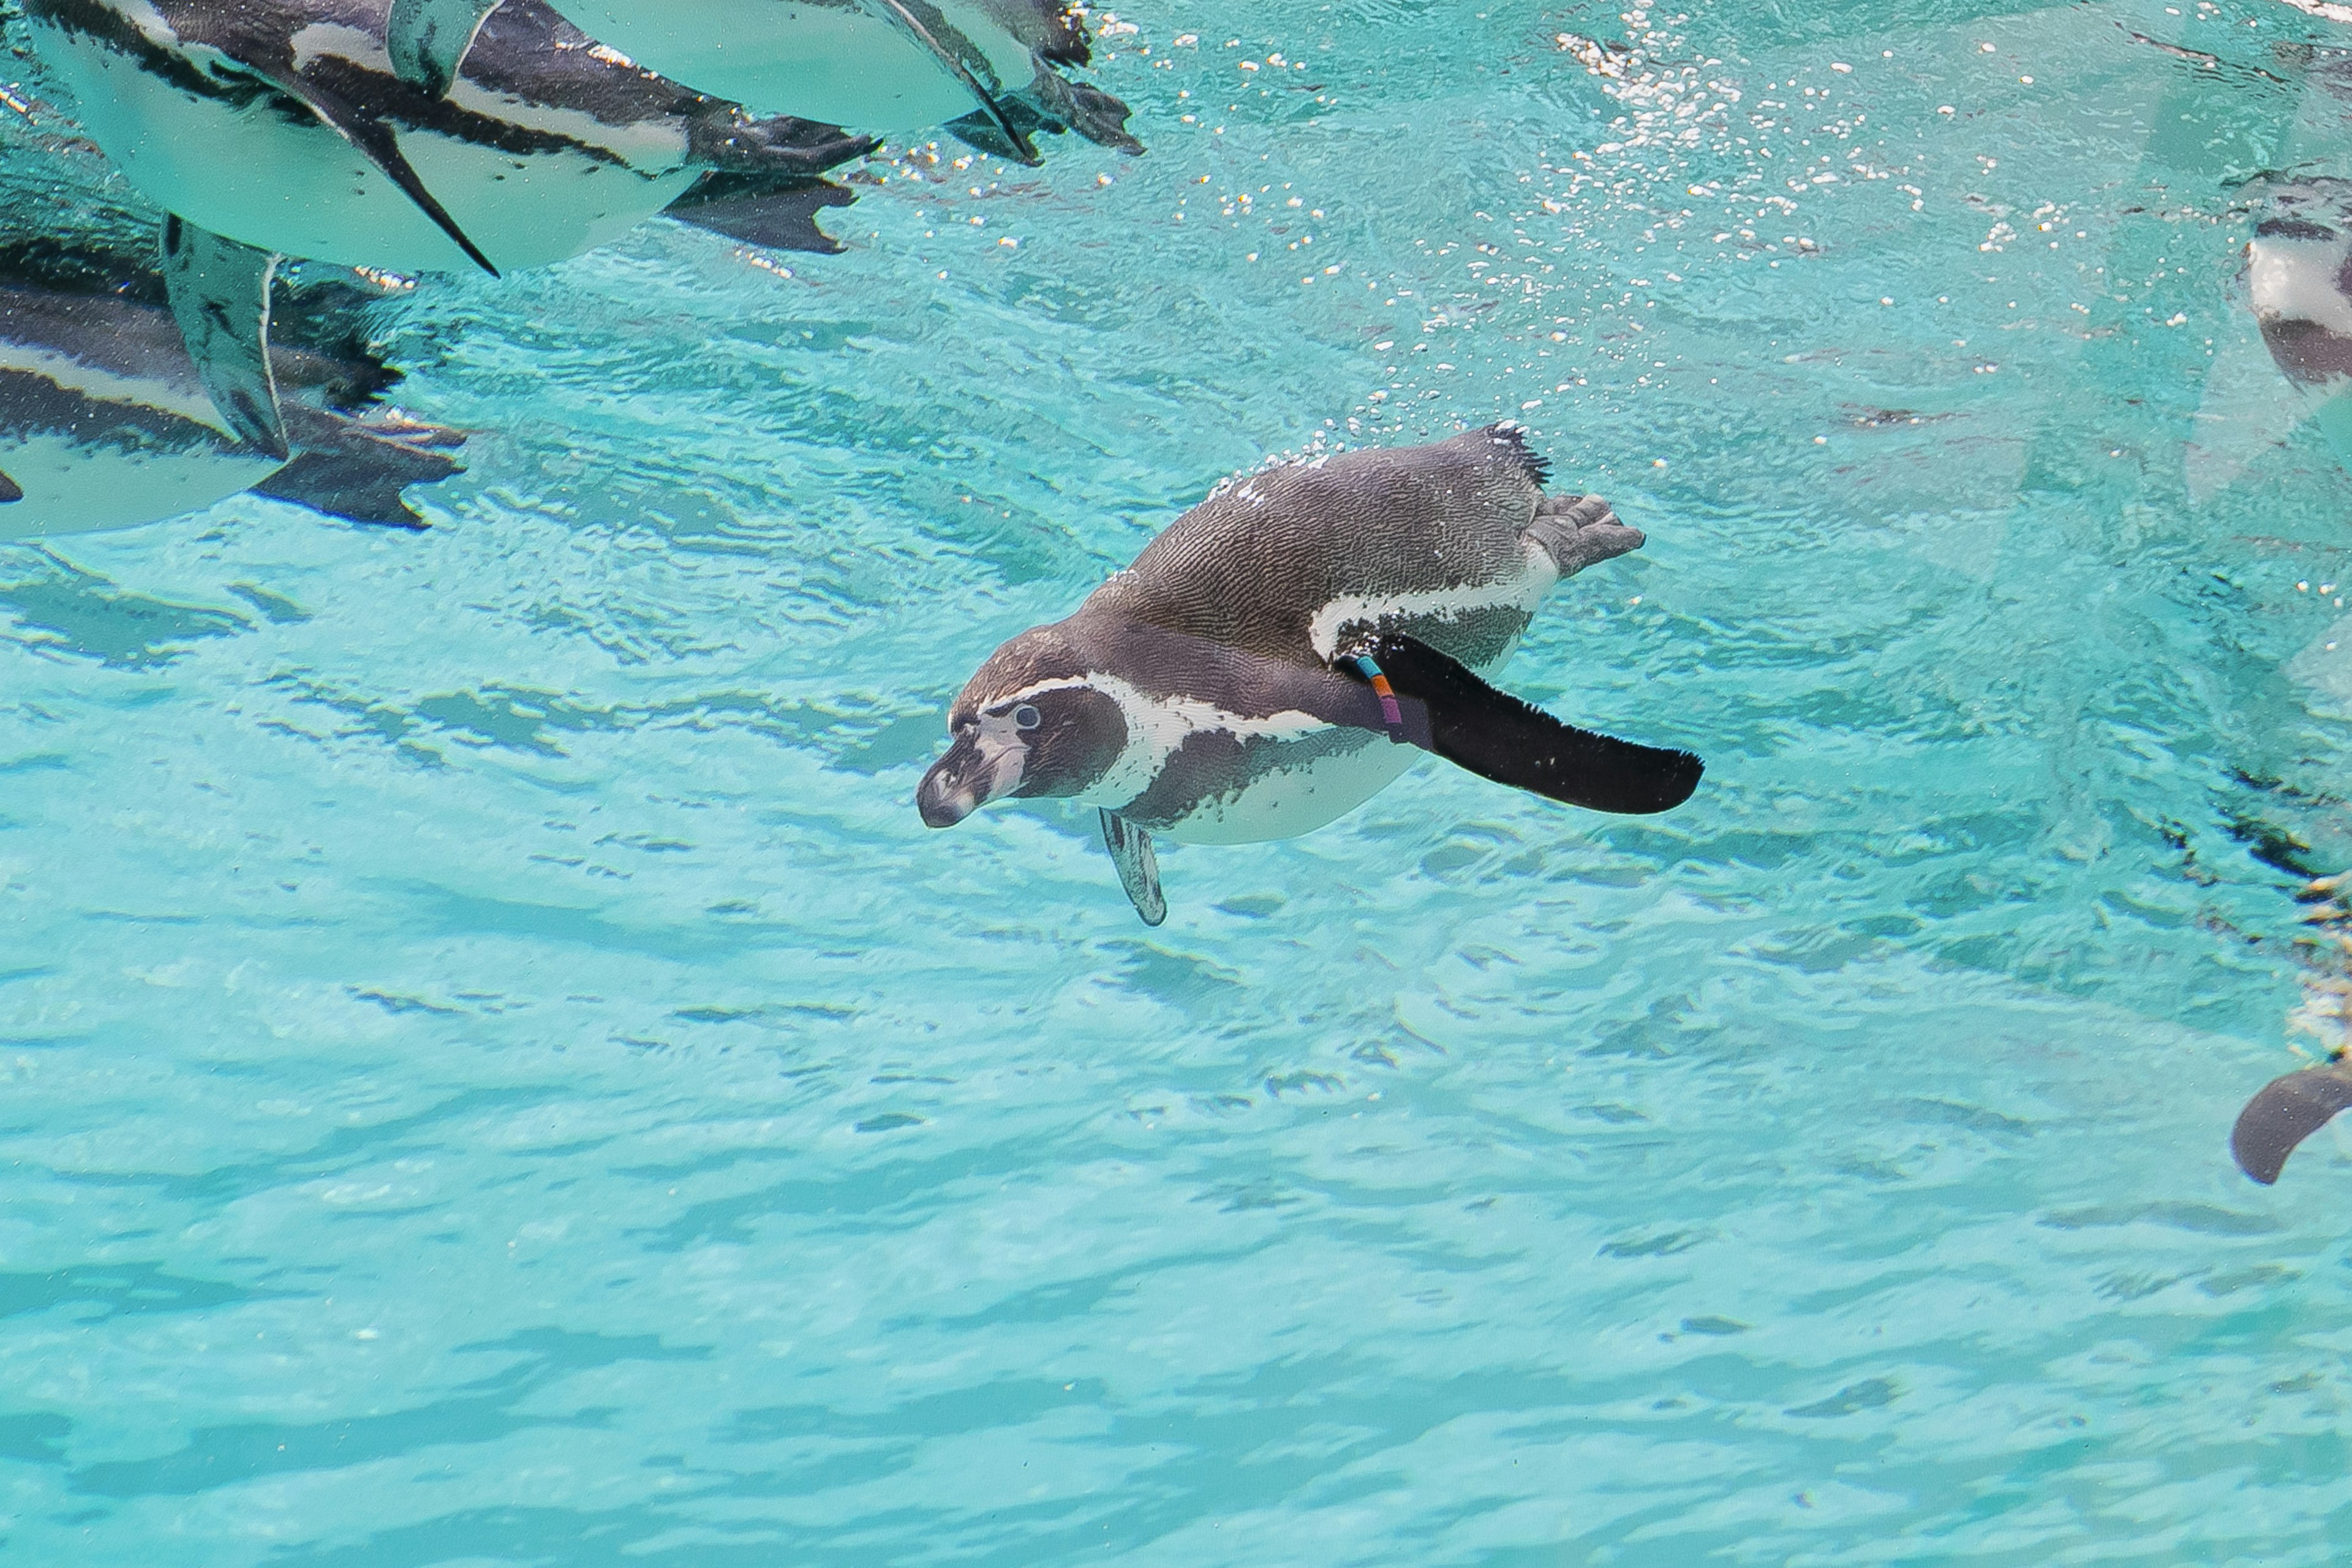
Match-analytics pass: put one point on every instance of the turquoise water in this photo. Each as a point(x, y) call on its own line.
point(498, 1073)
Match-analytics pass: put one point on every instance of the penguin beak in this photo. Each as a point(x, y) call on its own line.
point(978, 768)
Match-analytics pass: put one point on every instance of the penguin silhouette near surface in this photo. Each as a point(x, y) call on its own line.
point(107, 422)
point(390, 135)
point(1289, 647)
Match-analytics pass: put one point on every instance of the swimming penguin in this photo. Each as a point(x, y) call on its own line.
point(2296, 275)
point(985, 70)
point(2299, 281)
point(291, 126)
point(105, 421)
point(1287, 648)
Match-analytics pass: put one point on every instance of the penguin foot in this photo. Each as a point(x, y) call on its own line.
point(1577, 531)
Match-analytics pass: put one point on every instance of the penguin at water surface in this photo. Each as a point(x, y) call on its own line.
point(356, 131)
point(106, 422)
point(1289, 647)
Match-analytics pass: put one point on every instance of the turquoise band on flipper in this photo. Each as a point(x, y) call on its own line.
point(1391, 714)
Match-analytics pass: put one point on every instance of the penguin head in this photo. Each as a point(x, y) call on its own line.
point(1032, 723)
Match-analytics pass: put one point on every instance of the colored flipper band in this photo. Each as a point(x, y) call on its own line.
point(1391, 713)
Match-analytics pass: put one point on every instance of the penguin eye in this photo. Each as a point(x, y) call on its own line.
point(1027, 717)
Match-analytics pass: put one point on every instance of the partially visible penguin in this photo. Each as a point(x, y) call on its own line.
point(1286, 649)
point(105, 421)
point(2299, 278)
point(987, 71)
point(2299, 282)
point(359, 132)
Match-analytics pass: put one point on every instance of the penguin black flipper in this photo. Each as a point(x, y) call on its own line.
point(1495, 735)
point(10, 491)
point(1138, 868)
point(1000, 136)
point(2287, 1110)
point(219, 291)
point(376, 141)
point(427, 40)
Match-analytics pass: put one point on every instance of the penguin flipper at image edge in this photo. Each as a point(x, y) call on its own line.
point(2287, 1110)
point(219, 292)
point(1139, 866)
point(10, 491)
point(427, 40)
point(1448, 710)
point(374, 140)
point(1000, 135)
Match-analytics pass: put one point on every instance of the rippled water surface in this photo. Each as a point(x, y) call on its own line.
point(496, 1073)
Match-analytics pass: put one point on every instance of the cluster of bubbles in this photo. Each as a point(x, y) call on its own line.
point(379, 140)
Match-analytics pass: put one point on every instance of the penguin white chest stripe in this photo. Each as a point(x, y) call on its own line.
point(105, 387)
point(1524, 593)
point(659, 141)
point(1158, 727)
point(151, 22)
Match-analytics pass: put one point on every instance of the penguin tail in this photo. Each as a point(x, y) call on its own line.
point(722, 138)
point(1512, 440)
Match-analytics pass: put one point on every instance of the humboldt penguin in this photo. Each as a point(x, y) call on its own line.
point(2295, 275)
point(106, 422)
point(1286, 649)
point(2298, 278)
point(987, 70)
point(315, 129)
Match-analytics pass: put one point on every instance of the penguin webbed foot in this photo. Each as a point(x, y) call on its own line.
point(999, 134)
point(2286, 1111)
point(1495, 735)
point(1579, 532)
point(1054, 103)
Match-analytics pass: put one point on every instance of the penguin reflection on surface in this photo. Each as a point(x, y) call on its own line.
point(1289, 647)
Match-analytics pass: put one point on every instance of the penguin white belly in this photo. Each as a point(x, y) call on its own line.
point(77, 487)
point(263, 177)
point(1285, 802)
point(837, 61)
